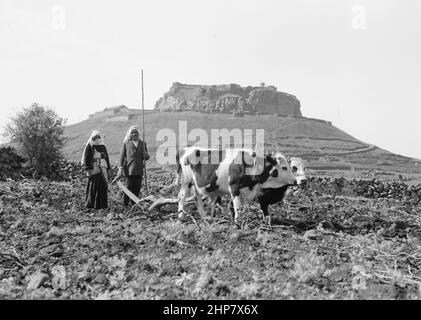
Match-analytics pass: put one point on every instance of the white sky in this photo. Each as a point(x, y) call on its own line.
point(364, 80)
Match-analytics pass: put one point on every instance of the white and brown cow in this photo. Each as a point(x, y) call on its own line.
point(298, 169)
point(270, 196)
point(238, 172)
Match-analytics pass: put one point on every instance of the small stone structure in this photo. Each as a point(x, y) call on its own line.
point(116, 113)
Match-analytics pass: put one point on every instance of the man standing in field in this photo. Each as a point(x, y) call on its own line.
point(132, 154)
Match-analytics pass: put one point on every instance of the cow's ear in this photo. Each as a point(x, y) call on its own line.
point(271, 160)
point(247, 159)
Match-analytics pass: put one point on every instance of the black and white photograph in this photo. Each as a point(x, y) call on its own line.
point(193, 150)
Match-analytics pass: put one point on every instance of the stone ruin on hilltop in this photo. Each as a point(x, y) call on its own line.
point(116, 114)
point(231, 98)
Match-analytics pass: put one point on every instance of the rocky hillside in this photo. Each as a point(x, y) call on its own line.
point(324, 146)
point(228, 98)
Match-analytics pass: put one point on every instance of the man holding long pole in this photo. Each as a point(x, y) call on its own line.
point(143, 134)
point(133, 157)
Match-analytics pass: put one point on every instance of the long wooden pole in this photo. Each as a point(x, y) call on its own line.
point(143, 134)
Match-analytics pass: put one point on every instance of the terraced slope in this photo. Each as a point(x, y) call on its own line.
point(318, 141)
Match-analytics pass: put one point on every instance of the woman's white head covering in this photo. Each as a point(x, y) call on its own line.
point(128, 133)
point(99, 141)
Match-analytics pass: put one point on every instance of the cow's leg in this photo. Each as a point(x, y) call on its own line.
point(212, 209)
point(218, 201)
point(181, 200)
point(264, 205)
point(236, 204)
point(236, 201)
point(265, 208)
point(199, 203)
point(231, 206)
point(213, 202)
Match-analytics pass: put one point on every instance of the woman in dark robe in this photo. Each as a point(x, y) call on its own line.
point(96, 163)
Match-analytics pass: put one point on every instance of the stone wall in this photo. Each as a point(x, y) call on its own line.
point(118, 119)
point(102, 114)
point(117, 113)
point(227, 99)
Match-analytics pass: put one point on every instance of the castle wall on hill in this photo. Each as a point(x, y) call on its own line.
point(118, 113)
point(118, 118)
point(102, 114)
point(123, 118)
point(228, 98)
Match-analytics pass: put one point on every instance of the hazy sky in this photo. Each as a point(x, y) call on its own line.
point(355, 63)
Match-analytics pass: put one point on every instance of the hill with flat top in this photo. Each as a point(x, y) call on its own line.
point(324, 146)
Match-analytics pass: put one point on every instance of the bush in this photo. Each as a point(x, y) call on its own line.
point(10, 163)
point(38, 133)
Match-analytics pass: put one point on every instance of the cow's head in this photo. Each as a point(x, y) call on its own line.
point(298, 169)
point(276, 172)
point(192, 156)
